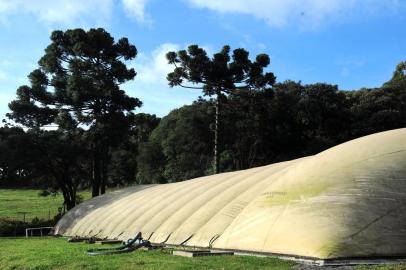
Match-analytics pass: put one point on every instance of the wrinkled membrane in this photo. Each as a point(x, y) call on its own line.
point(348, 201)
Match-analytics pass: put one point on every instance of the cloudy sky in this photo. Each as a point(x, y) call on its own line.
point(351, 43)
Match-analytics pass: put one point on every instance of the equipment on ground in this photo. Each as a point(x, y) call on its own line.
point(131, 245)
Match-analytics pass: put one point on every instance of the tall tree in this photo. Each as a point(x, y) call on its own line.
point(220, 75)
point(287, 121)
point(78, 84)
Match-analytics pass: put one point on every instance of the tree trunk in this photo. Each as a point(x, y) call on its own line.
point(68, 191)
point(104, 175)
point(96, 174)
point(217, 130)
point(96, 153)
point(70, 203)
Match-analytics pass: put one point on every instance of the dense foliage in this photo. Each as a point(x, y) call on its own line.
point(224, 73)
point(287, 121)
point(77, 86)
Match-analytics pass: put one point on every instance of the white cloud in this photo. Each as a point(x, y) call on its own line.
point(150, 84)
point(61, 11)
point(5, 98)
point(71, 12)
point(305, 13)
point(154, 67)
point(136, 9)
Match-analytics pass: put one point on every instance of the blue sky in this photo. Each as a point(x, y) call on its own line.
point(351, 43)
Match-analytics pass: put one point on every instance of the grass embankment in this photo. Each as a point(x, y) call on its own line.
point(13, 202)
point(57, 253)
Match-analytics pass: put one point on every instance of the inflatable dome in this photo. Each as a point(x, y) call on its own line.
point(348, 201)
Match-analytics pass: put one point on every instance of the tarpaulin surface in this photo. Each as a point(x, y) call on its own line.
point(348, 201)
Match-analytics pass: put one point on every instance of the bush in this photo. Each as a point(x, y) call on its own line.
point(17, 228)
point(44, 193)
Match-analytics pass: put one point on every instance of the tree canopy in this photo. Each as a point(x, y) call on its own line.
point(77, 88)
point(289, 120)
point(224, 73)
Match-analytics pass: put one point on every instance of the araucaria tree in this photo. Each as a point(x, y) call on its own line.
point(77, 86)
point(220, 75)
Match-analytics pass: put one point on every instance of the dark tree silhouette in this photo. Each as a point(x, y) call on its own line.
point(220, 75)
point(76, 85)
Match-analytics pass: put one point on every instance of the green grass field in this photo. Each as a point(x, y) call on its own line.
point(13, 202)
point(57, 253)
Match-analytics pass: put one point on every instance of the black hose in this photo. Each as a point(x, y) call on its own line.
point(128, 247)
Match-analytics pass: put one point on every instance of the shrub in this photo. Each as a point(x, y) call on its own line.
point(17, 228)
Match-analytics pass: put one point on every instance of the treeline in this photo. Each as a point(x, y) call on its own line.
point(74, 128)
point(289, 121)
point(60, 161)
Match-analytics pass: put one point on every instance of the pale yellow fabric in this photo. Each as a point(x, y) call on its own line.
point(348, 201)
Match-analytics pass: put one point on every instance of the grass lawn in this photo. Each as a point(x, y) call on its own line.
point(15, 201)
point(57, 253)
